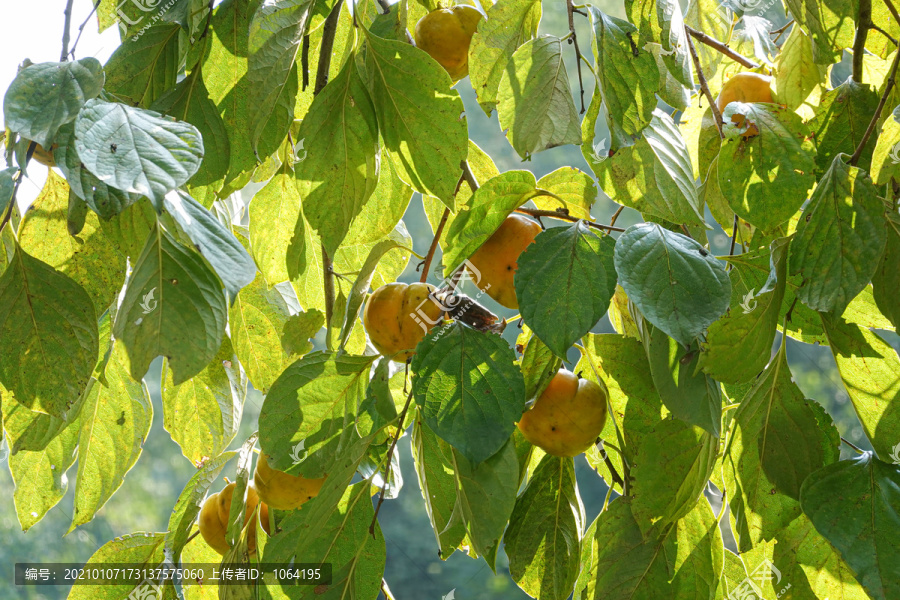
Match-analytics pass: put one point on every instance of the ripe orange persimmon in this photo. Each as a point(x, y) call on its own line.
point(497, 259)
point(745, 87)
point(281, 490)
point(567, 417)
point(445, 34)
point(215, 512)
point(398, 315)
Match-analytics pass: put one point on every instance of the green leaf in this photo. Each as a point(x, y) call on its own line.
point(104, 200)
point(143, 68)
point(870, 371)
point(575, 188)
point(662, 23)
point(545, 529)
point(276, 33)
point(536, 107)
point(144, 549)
point(886, 280)
point(539, 365)
point(798, 79)
point(357, 557)
point(495, 200)
point(38, 469)
point(861, 519)
point(486, 497)
point(202, 414)
point(384, 209)
point(224, 73)
point(187, 507)
point(778, 439)
point(831, 26)
point(44, 97)
point(190, 101)
point(564, 283)
point(48, 331)
point(433, 459)
point(627, 74)
point(884, 165)
point(314, 401)
point(654, 176)
point(113, 424)
point(420, 118)
point(173, 306)
point(683, 560)
point(88, 258)
point(739, 345)
point(137, 150)
point(691, 395)
point(766, 177)
point(671, 470)
point(841, 121)
point(214, 241)
point(274, 236)
point(650, 259)
point(340, 170)
point(297, 331)
point(7, 187)
point(256, 320)
point(839, 240)
point(807, 561)
point(508, 25)
point(469, 389)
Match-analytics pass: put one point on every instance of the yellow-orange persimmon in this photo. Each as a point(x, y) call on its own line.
point(398, 315)
point(216, 510)
point(496, 260)
point(567, 417)
point(445, 34)
point(281, 490)
point(745, 87)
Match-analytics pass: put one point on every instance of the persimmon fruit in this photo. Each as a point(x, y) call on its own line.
point(745, 87)
point(397, 317)
point(280, 490)
point(446, 34)
point(497, 259)
point(216, 510)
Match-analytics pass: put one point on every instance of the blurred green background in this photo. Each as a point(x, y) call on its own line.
point(414, 571)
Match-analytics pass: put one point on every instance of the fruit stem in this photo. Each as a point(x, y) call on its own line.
point(721, 47)
point(874, 122)
point(855, 447)
point(704, 86)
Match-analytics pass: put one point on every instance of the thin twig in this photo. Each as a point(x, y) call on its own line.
point(721, 47)
point(733, 235)
point(82, 26)
point(555, 214)
point(426, 265)
point(616, 214)
point(893, 10)
point(874, 122)
point(190, 537)
point(390, 455)
point(704, 86)
point(777, 32)
point(469, 176)
point(64, 55)
point(570, 8)
point(883, 32)
point(329, 28)
point(863, 20)
point(612, 469)
point(854, 446)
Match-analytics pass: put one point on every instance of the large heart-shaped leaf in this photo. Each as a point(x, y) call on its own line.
point(675, 282)
point(564, 283)
point(137, 150)
point(469, 389)
point(44, 97)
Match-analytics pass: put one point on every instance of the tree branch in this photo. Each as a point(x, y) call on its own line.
point(859, 42)
point(82, 26)
point(570, 9)
point(721, 47)
point(565, 216)
point(893, 10)
point(874, 122)
point(328, 31)
point(64, 54)
point(884, 33)
point(426, 264)
point(704, 86)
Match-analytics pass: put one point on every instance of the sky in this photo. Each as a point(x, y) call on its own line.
point(33, 30)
